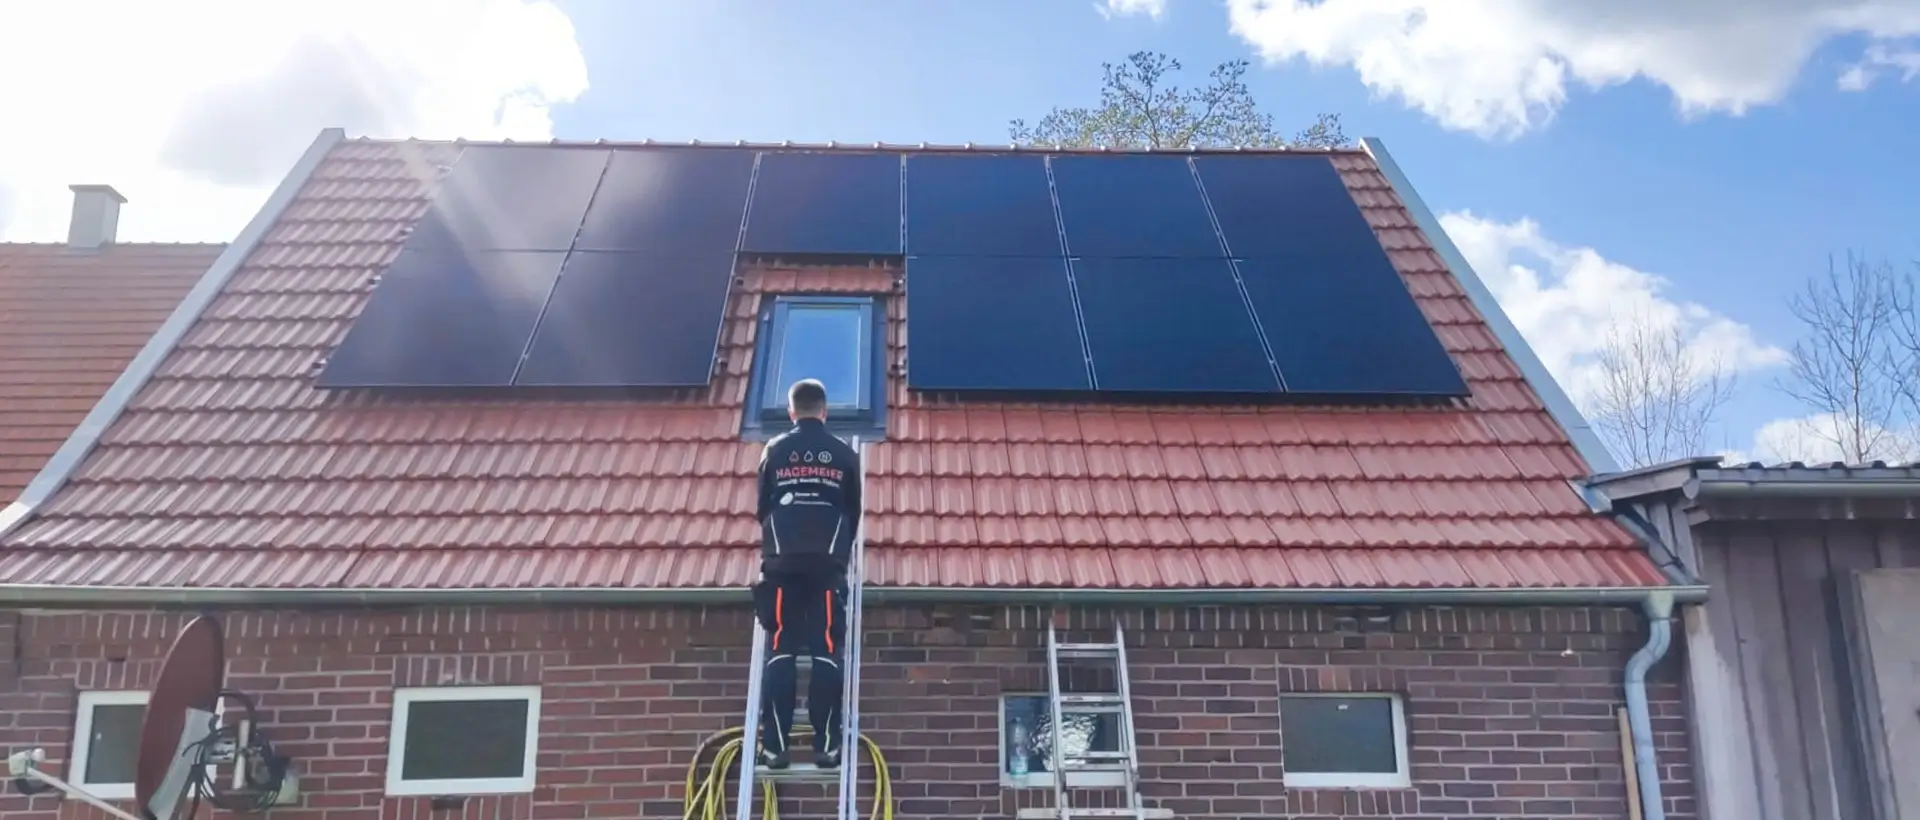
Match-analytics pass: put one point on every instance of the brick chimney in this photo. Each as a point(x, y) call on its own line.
point(96, 216)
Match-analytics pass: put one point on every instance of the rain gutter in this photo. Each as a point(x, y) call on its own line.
point(80, 443)
point(1828, 488)
point(95, 596)
point(1585, 440)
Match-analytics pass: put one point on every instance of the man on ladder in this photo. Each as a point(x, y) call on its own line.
point(809, 511)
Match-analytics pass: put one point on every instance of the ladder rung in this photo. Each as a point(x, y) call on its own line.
point(1096, 757)
point(1087, 650)
point(799, 772)
point(1053, 814)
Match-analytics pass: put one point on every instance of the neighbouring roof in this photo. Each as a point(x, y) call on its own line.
point(70, 321)
point(229, 470)
point(1783, 491)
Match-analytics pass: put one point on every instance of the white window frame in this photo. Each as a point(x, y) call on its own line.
point(1043, 780)
point(1401, 777)
point(403, 700)
point(91, 699)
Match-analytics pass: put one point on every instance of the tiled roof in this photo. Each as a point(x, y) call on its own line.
point(229, 470)
point(70, 320)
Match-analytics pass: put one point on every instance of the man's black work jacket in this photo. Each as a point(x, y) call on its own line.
point(809, 501)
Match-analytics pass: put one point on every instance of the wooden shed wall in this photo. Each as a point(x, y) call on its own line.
point(1769, 689)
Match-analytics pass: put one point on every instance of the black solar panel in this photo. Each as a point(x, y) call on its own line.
point(979, 323)
point(511, 198)
point(682, 201)
point(980, 205)
point(1348, 327)
point(446, 318)
point(825, 203)
point(1169, 326)
point(625, 319)
point(1132, 205)
point(1284, 207)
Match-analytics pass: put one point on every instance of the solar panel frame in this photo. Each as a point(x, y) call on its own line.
point(1100, 199)
point(1282, 206)
point(518, 198)
point(980, 204)
point(826, 203)
point(612, 313)
point(445, 318)
point(1216, 348)
point(994, 324)
point(670, 200)
point(1348, 330)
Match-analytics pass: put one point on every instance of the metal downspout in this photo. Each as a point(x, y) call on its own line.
point(1659, 608)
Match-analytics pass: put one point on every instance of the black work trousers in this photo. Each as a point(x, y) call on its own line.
point(804, 613)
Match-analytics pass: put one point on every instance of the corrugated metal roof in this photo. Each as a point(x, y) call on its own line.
point(228, 469)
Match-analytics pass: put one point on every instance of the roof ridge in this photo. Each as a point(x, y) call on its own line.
point(877, 145)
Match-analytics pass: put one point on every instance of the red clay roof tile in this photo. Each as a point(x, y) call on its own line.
point(70, 321)
point(229, 470)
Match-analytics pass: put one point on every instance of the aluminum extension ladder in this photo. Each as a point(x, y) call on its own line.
point(1068, 768)
point(847, 775)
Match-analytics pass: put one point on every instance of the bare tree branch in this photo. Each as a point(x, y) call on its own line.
point(1847, 366)
point(1140, 108)
point(1657, 397)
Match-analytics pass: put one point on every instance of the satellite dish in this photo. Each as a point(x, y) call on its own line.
point(180, 743)
point(180, 710)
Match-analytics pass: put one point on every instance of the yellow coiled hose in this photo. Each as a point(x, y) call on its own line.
point(707, 796)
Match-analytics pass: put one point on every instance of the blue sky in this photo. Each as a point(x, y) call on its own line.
point(1660, 158)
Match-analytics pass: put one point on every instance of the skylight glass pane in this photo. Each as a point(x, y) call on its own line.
point(821, 342)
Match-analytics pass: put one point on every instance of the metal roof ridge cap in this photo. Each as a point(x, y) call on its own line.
point(80, 442)
point(1559, 405)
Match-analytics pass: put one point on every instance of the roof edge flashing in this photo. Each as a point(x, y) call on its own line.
point(1559, 404)
point(80, 442)
point(71, 596)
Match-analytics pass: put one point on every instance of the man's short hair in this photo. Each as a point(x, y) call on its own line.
point(807, 397)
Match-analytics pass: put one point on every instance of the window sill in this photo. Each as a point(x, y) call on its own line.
point(104, 791)
point(460, 788)
point(1346, 782)
point(1044, 780)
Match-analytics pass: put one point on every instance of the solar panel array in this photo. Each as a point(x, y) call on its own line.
point(1068, 273)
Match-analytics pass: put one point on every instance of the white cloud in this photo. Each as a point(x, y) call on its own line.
point(1878, 59)
point(1816, 439)
point(1126, 8)
point(1499, 68)
point(194, 109)
point(1565, 298)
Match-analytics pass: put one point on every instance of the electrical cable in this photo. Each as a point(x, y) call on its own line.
point(265, 773)
point(706, 797)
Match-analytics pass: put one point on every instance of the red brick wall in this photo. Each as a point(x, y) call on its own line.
point(1510, 711)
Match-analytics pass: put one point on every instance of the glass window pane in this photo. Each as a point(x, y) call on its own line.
point(113, 744)
point(821, 342)
point(1338, 735)
point(465, 739)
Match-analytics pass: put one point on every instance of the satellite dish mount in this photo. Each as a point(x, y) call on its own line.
point(182, 740)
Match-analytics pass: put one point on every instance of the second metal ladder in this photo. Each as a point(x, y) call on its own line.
point(847, 775)
point(1071, 766)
